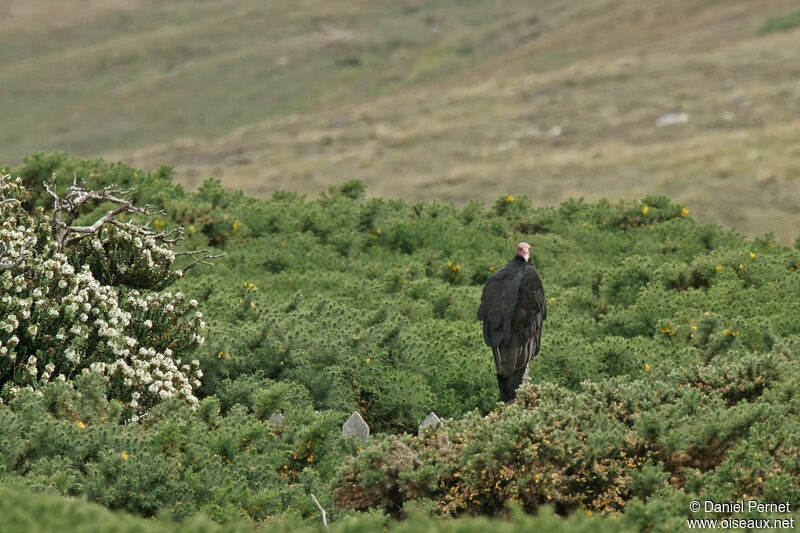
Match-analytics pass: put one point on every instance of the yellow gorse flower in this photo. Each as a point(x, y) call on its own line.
point(124, 456)
point(645, 209)
point(684, 212)
point(509, 198)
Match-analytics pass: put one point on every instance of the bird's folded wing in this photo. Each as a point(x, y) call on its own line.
point(498, 301)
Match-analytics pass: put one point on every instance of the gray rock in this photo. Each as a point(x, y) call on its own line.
point(276, 419)
point(430, 422)
point(671, 119)
point(355, 425)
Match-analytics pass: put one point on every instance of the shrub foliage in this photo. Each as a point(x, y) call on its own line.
point(84, 297)
point(667, 371)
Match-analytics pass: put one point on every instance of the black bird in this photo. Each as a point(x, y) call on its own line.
point(512, 310)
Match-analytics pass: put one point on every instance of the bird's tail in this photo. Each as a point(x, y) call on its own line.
point(509, 384)
point(508, 359)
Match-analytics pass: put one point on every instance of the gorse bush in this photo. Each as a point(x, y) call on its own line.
point(599, 447)
point(26, 512)
point(667, 371)
point(228, 465)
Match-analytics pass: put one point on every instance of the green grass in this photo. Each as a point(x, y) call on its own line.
point(781, 23)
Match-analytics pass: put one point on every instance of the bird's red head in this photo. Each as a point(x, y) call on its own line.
point(524, 250)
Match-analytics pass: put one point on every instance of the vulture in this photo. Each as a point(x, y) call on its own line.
point(512, 310)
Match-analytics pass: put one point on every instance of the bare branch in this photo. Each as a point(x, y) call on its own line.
point(170, 236)
point(202, 260)
point(66, 209)
point(324, 514)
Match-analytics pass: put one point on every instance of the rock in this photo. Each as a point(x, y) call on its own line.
point(355, 425)
point(430, 422)
point(276, 419)
point(671, 119)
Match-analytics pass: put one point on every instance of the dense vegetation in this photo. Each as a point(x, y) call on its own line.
point(667, 373)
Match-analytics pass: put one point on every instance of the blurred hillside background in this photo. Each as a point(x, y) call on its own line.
point(698, 100)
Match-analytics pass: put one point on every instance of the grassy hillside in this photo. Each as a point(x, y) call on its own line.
point(453, 100)
point(668, 370)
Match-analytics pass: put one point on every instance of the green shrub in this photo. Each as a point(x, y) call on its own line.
point(667, 372)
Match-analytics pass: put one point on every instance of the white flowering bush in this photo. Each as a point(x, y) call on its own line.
point(77, 299)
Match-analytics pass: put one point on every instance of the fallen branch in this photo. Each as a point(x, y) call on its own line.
point(324, 514)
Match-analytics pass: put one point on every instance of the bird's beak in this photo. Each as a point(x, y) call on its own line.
point(526, 257)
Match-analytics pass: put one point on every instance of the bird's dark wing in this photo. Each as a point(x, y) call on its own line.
point(530, 313)
point(498, 302)
point(513, 309)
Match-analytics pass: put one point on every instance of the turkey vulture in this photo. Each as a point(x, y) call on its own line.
point(512, 310)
